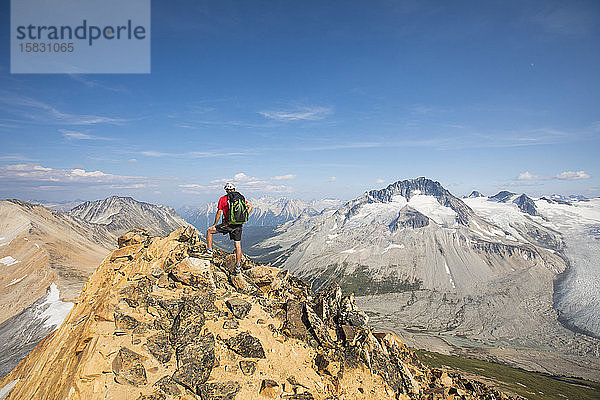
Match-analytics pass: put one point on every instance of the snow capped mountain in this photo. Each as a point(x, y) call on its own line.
point(267, 211)
point(422, 259)
point(474, 194)
point(119, 214)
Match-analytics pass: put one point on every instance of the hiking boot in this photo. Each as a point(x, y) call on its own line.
point(237, 269)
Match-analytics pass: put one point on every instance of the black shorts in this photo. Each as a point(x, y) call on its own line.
point(235, 231)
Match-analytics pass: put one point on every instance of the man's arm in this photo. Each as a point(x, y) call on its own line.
point(217, 217)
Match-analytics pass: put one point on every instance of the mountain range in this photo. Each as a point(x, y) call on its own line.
point(46, 256)
point(267, 211)
point(462, 276)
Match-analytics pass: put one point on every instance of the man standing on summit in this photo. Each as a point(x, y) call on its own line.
point(235, 212)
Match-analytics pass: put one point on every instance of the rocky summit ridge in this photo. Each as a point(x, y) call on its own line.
point(159, 320)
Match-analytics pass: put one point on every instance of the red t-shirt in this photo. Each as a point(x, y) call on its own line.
point(223, 206)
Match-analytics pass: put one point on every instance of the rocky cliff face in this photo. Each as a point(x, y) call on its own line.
point(119, 214)
point(158, 320)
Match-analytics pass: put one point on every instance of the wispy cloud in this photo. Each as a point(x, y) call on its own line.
point(77, 135)
point(92, 83)
point(39, 173)
point(566, 175)
point(195, 154)
point(283, 177)
point(38, 111)
point(312, 113)
point(379, 181)
point(572, 175)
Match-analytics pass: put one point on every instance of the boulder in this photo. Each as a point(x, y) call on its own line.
point(218, 390)
point(269, 388)
point(160, 347)
point(136, 236)
point(231, 324)
point(248, 367)
point(194, 272)
point(294, 325)
point(239, 308)
point(125, 253)
point(128, 368)
point(246, 345)
point(168, 385)
point(195, 361)
point(317, 327)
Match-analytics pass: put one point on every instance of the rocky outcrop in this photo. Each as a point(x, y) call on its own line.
point(409, 217)
point(502, 196)
point(149, 324)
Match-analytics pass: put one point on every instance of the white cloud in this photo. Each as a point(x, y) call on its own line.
point(572, 175)
point(379, 181)
point(527, 176)
point(132, 160)
point(283, 177)
point(566, 175)
point(39, 111)
point(332, 178)
point(76, 135)
point(300, 113)
point(38, 173)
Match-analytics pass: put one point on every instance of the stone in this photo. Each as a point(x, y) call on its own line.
point(194, 272)
point(299, 396)
point(205, 300)
point(445, 380)
point(248, 367)
point(128, 368)
point(125, 322)
point(321, 362)
point(318, 328)
point(168, 385)
point(158, 395)
point(195, 361)
point(218, 391)
point(136, 294)
point(239, 308)
point(269, 388)
point(349, 333)
point(262, 275)
point(246, 345)
point(135, 236)
point(188, 324)
point(125, 253)
point(294, 325)
point(184, 234)
point(231, 324)
point(160, 347)
point(356, 318)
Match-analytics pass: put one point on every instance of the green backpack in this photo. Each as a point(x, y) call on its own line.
point(238, 209)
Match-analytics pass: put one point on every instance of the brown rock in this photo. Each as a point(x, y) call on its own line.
point(126, 253)
point(195, 361)
point(158, 395)
point(160, 347)
point(269, 388)
point(218, 391)
point(168, 385)
point(239, 308)
point(125, 322)
point(246, 345)
point(135, 236)
point(231, 324)
point(248, 367)
point(128, 368)
point(445, 380)
point(294, 325)
point(194, 272)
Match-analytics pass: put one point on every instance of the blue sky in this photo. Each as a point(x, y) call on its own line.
point(313, 100)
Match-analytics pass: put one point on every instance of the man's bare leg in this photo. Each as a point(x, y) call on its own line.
point(209, 236)
point(238, 252)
